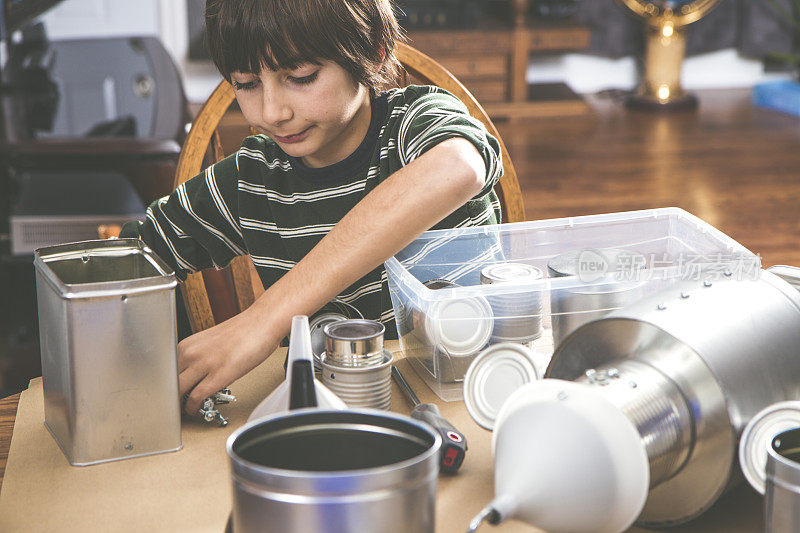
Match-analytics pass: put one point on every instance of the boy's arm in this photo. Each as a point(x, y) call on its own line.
point(398, 210)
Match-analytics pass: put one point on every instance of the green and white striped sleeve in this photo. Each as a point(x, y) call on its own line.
point(438, 116)
point(197, 226)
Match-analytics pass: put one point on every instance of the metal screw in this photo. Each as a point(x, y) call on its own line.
point(707, 284)
point(562, 396)
point(661, 307)
point(727, 273)
point(684, 295)
point(633, 384)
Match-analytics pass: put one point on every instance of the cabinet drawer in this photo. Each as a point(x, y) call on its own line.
point(487, 90)
point(476, 66)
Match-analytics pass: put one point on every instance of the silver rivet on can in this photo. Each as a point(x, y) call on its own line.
point(707, 284)
point(562, 396)
point(613, 373)
point(661, 307)
point(684, 295)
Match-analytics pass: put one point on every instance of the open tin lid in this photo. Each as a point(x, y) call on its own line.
point(758, 435)
point(495, 373)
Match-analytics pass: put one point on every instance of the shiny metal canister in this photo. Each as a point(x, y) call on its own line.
point(334, 471)
point(108, 344)
point(354, 342)
point(518, 310)
point(358, 369)
point(595, 294)
point(361, 386)
point(782, 497)
point(720, 351)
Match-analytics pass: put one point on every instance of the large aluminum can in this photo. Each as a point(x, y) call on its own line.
point(109, 350)
point(706, 357)
point(334, 472)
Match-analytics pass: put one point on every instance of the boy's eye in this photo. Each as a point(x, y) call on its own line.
point(245, 86)
point(304, 80)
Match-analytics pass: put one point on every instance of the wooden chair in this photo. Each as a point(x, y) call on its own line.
point(241, 283)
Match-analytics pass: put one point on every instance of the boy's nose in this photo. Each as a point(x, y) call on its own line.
point(274, 109)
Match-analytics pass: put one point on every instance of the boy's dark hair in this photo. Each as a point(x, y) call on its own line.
point(359, 35)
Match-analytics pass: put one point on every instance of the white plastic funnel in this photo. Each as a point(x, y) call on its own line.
point(566, 460)
point(299, 349)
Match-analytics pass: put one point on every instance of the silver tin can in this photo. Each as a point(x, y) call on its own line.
point(108, 344)
point(334, 471)
point(518, 311)
point(354, 342)
point(782, 497)
point(361, 386)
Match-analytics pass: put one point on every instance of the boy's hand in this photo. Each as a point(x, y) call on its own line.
point(214, 358)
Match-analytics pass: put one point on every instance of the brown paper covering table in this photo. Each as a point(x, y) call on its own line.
point(190, 490)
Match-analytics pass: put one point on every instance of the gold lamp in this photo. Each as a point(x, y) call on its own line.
point(665, 49)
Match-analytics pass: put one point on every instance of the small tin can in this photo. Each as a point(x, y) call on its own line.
point(361, 386)
point(355, 366)
point(517, 313)
point(782, 496)
point(354, 342)
point(757, 437)
point(495, 373)
point(108, 342)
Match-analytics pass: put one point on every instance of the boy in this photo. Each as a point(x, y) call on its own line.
point(341, 179)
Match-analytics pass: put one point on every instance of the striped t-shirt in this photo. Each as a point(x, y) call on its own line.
point(263, 202)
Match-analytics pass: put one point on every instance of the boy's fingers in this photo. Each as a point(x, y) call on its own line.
point(189, 378)
point(207, 387)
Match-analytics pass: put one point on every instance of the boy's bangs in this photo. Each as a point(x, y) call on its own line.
point(266, 37)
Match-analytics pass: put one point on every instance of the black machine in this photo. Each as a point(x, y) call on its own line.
point(90, 132)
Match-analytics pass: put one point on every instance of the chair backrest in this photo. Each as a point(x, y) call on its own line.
point(240, 284)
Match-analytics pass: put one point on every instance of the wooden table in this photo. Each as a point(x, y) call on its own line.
point(8, 412)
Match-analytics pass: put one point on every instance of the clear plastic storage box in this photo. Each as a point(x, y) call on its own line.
point(457, 292)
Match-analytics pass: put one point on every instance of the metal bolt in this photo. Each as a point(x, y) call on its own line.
point(223, 398)
point(661, 307)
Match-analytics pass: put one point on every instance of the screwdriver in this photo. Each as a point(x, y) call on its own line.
point(454, 444)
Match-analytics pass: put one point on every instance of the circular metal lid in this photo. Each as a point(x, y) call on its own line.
point(498, 371)
point(607, 260)
point(510, 273)
point(462, 326)
point(758, 435)
point(353, 337)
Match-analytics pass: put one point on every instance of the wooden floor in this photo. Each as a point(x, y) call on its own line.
point(733, 165)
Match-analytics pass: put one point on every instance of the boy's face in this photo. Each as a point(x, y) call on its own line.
point(315, 112)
